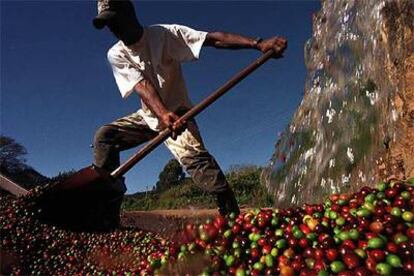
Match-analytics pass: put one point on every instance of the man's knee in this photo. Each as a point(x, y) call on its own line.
point(205, 172)
point(106, 153)
point(104, 135)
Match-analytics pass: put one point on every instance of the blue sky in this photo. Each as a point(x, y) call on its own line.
point(57, 87)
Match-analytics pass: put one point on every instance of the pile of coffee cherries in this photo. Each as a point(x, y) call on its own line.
point(370, 232)
point(29, 246)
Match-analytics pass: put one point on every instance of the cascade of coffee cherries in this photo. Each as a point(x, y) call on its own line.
point(370, 232)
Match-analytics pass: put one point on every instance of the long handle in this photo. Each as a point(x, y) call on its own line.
point(164, 134)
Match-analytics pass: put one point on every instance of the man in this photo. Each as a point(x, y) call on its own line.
point(146, 60)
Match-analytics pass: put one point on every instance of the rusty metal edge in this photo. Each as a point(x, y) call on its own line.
point(12, 187)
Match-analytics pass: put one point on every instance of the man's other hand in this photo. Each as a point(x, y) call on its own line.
point(172, 121)
point(278, 44)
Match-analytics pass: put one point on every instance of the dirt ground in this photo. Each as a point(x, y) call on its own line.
point(166, 222)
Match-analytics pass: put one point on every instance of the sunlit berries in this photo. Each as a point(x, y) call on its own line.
point(365, 233)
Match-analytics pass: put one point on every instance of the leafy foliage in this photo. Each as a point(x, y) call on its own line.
point(244, 179)
point(11, 155)
point(170, 176)
point(62, 176)
point(13, 164)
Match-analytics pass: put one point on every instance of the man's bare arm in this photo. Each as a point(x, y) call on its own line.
point(229, 41)
point(235, 41)
point(152, 99)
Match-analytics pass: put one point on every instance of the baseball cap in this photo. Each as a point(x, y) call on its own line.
point(109, 9)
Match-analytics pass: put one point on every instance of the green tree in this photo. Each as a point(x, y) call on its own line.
point(62, 176)
point(245, 180)
point(13, 164)
point(238, 170)
point(11, 155)
point(171, 175)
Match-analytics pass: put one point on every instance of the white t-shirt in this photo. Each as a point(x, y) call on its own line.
point(157, 57)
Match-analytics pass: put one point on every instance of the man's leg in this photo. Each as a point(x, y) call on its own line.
point(122, 134)
point(110, 139)
point(189, 150)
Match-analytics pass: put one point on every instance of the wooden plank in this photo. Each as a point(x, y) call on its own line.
point(12, 187)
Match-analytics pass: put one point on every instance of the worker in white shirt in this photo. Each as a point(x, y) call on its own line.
point(147, 61)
